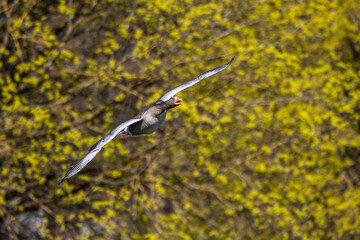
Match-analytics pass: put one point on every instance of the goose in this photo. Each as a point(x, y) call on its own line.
point(146, 122)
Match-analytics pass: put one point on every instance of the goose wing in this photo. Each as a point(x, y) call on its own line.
point(174, 91)
point(95, 149)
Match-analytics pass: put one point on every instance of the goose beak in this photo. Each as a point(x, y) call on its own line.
point(178, 101)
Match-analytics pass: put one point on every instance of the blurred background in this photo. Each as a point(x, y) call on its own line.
point(267, 149)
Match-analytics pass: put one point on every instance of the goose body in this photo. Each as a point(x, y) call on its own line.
point(149, 125)
point(146, 122)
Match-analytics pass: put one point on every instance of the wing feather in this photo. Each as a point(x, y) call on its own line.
point(207, 74)
point(95, 149)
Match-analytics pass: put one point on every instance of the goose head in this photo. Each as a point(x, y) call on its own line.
point(172, 102)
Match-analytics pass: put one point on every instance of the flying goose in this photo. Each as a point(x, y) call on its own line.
point(145, 122)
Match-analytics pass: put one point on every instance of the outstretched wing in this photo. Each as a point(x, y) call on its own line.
point(96, 148)
point(174, 91)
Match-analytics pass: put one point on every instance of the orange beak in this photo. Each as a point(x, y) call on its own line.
point(178, 100)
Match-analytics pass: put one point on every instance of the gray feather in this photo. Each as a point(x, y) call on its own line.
point(207, 74)
point(95, 149)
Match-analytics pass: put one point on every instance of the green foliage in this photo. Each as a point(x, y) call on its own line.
point(267, 149)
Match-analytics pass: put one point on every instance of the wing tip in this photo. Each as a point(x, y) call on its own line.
point(68, 174)
point(62, 180)
point(231, 60)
